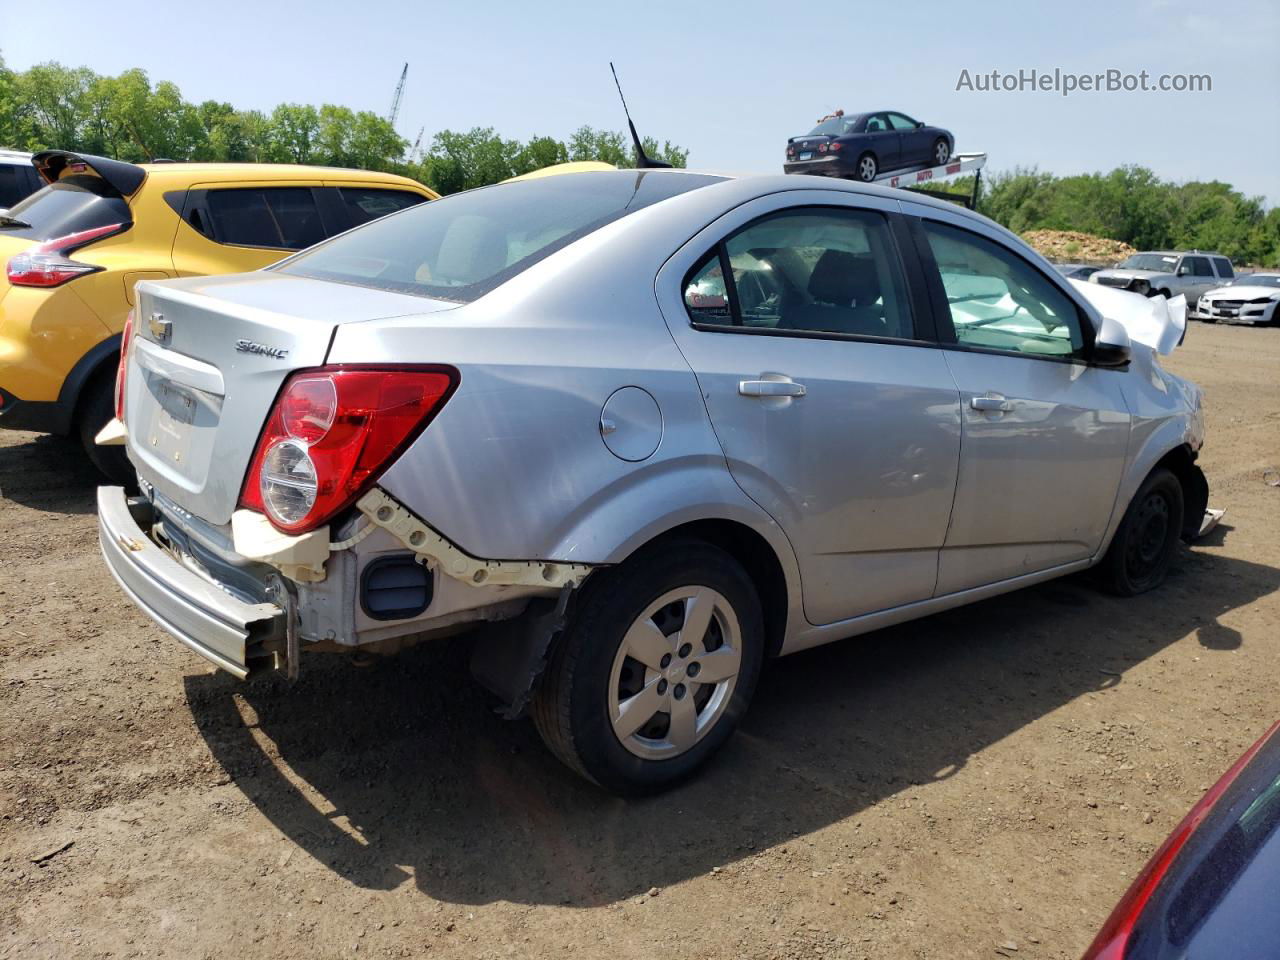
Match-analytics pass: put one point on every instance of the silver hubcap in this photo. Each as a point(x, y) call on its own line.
point(942, 153)
point(867, 168)
point(675, 672)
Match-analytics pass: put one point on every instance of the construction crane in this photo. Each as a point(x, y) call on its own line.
point(395, 100)
point(417, 144)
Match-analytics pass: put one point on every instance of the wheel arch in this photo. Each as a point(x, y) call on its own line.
point(1180, 461)
point(102, 358)
point(758, 558)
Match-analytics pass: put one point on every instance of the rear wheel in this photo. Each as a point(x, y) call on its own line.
point(655, 669)
point(1142, 551)
point(867, 167)
point(97, 409)
point(941, 151)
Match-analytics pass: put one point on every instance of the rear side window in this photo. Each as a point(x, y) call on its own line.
point(284, 218)
point(461, 247)
point(1198, 266)
point(75, 203)
point(815, 270)
point(13, 184)
point(1224, 267)
point(367, 203)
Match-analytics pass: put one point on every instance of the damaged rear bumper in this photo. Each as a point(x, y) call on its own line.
point(221, 628)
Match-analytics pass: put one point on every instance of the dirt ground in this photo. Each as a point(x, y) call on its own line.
point(980, 783)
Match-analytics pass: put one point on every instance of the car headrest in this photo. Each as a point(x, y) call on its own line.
point(844, 279)
point(473, 249)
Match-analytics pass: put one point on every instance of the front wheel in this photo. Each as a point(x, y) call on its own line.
point(941, 151)
point(867, 167)
point(1139, 557)
point(654, 670)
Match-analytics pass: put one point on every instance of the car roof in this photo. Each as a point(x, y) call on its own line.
point(740, 187)
point(1176, 253)
point(14, 156)
point(191, 172)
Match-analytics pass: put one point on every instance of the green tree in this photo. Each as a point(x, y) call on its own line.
point(294, 128)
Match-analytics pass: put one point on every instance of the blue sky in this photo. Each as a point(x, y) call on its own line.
point(728, 80)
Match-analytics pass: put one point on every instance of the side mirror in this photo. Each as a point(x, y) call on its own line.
point(1183, 271)
point(1111, 347)
point(919, 124)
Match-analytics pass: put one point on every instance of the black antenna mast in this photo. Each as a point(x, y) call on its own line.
point(643, 162)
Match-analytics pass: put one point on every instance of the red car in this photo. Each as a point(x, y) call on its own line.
point(1212, 891)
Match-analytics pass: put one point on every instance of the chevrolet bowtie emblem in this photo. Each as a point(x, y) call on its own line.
point(160, 328)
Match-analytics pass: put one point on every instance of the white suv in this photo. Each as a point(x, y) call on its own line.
point(18, 178)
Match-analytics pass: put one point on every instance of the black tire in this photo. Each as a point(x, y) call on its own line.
point(571, 705)
point(866, 168)
point(97, 409)
point(941, 151)
point(1139, 557)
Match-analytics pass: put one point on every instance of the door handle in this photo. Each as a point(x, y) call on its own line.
point(992, 404)
point(770, 388)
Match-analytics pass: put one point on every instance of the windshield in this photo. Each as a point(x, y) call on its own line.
point(835, 127)
point(1256, 280)
point(74, 203)
point(1162, 262)
point(463, 246)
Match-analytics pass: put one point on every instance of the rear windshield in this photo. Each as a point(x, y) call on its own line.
point(835, 127)
point(463, 246)
point(74, 203)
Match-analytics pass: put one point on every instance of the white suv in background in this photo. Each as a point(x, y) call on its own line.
point(18, 178)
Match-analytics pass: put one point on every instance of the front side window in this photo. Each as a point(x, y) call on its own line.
point(998, 301)
point(283, 218)
point(900, 122)
point(815, 270)
point(369, 203)
point(1197, 266)
point(1224, 267)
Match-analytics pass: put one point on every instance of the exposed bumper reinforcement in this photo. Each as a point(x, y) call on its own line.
point(210, 621)
point(435, 551)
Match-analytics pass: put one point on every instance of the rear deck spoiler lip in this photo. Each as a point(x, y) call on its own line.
point(125, 178)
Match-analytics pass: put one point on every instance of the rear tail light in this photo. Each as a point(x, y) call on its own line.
point(330, 434)
point(791, 151)
point(822, 148)
point(122, 370)
point(47, 263)
point(835, 147)
point(1112, 941)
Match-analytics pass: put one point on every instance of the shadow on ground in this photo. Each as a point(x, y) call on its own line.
point(48, 473)
point(407, 756)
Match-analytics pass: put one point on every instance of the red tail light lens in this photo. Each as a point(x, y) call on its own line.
point(47, 263)
point(835, 147)
point(330, 434)
point(1112, 941)
point(122, 369)
point(822, 148)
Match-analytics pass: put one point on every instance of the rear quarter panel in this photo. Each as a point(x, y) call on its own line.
point(514, 466)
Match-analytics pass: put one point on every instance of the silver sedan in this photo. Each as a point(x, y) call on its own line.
point(636, 433)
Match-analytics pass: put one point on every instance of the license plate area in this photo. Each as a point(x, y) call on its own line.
point(807, 155)
point(177, 424)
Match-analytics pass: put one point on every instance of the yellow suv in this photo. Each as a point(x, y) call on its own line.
point(75, 249)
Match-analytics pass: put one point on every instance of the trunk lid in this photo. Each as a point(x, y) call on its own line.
point(208, 357)
point(809, 145)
